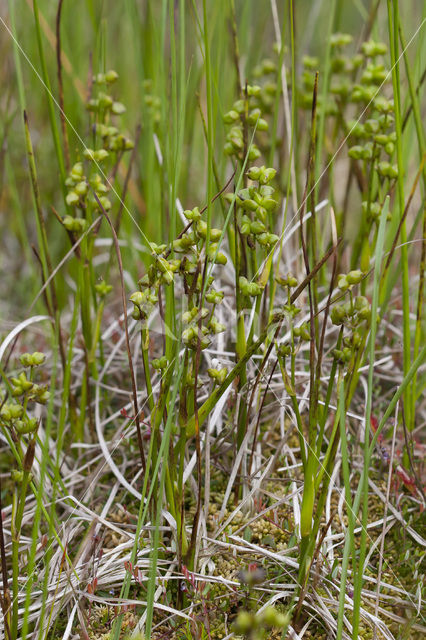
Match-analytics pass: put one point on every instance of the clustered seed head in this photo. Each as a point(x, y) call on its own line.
point(14, 414)
point(88, 188)
point(199, 243)
point(248, 112)
point(152, 103)
point(255, 204)
point(354, 316)
point(258, 625)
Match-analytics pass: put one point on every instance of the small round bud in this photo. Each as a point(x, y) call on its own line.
point(72, 199)
point(118, 108)
point(354, 277)
point(17, 476)
point(111, 76)
point(244, 622)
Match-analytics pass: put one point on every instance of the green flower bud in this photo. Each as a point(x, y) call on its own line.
point(5, 414)
point(269, 204)
point(248, 204)
point(231, 116)
point(21, 384)
point(138, 298)
point(160, 363)
point(338, 64)
point(29, 425)
point(192, 214)
point(354, 277)
point(40, 394)
point(80, 188)
point(269, 616)
point(346, 354)
point(77, 171)
point(273, 618)
point(355, 62)
point(105, 202)
point(216, 326)
point(228, 149)
point(92, 105)
point(239, 106)
point(245, 226)
point(262, 124)
point(267, 175)
point(361, 93)
point(341, 88)
point(291, 310)
point(388, 170)
point(263, 239)
point(310, 62)
point(268, 66)
point(201, 229)
point(375, 209)
point(381, 138)
point(337, 315)
point(76, 225)
point(254, 116)
point(356, 129)
point(287, 281)
point(167, 277)
point(270, 88)
point(356, 152)
point(340, 39)
point(385, 121)
point(72, 199)
point(111, 76)
point(389, 148)
point(102, 288)
point(383, 105)
point(253, 153)
point(221, 258)
point(342, 282)
point(364, 314)
point(100, 155)
point(221, 375)
point(118, 108)
point(272, 238)
point(360, 303)
point(236, 132)
point(104, 101)
point(284, 350)
point(257, 227)
point(245, 622)
point(254, 173)
point(253, 90)
point(17, 476)
point(89, 154)
point(188, 335)
point(372, 126)
point(214, 297)
point(32, 359)
point(303, 332)
point(99, 78)
point(215, 235)
point(371, 49)
point(356, 340)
